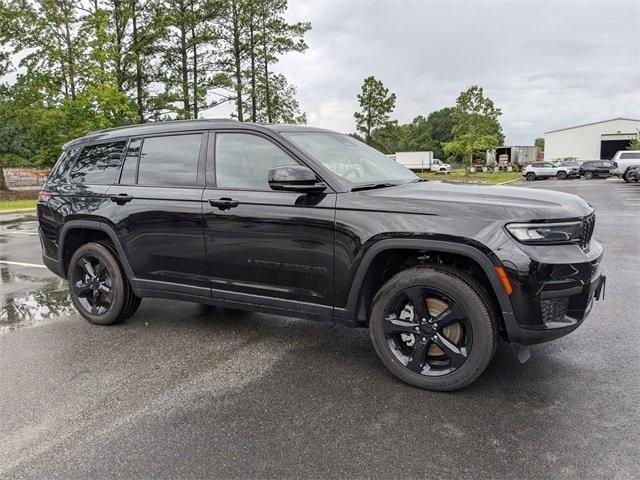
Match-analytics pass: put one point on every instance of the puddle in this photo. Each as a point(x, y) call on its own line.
point(31, 297)
point(34, 309)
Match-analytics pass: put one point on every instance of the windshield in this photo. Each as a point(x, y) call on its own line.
point(350, 159)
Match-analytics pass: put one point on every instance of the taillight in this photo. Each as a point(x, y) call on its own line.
point(44, 196)
point(615, 164)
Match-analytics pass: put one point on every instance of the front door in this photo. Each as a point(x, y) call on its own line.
point(157, 207)
point(265, 247)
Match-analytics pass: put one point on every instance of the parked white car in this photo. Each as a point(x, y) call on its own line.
point(548, 169)
point(623, 160)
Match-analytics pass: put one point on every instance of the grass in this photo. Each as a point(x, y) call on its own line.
point(488, 178)
point(14, 204)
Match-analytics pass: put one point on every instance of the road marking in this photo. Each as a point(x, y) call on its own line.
point(22, 264)
point(7, 232)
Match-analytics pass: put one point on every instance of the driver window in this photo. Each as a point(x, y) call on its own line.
point(243, 160)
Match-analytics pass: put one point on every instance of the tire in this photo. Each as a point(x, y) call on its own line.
point(588, 175)
point(100, 292)
point(562, 175)
point(626, 178)
point(476, 339)
point(530, 176)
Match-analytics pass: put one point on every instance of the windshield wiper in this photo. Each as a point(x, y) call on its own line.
point(371, 186)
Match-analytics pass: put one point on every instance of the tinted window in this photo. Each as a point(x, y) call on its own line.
point(130, 166)
point(170, 161)
point(537, 165)
point(633, 155)
point(98, 164)
point(243, 160)
point(588, 164)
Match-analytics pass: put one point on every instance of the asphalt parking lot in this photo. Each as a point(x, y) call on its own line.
point(182, 390)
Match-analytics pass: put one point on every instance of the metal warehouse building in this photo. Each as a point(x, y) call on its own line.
point(591, 141)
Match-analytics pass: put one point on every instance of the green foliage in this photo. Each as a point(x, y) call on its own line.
point(422, 134)
point(86, 66)
point(376, 104)
point(539, 142)
point(476, 125)
point(635, 143)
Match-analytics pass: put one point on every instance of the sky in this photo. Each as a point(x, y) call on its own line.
point(548, 65)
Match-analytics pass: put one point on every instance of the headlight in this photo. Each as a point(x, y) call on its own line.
point(537, 233)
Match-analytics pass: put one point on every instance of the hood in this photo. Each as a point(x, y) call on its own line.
point(496, 202)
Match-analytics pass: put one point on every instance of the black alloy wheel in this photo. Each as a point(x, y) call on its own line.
point(428, 331)
point(98, 286)
point(433, 327)
point(94, 285)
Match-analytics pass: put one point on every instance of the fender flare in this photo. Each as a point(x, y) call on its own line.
point(432, 245)
point(99, 226)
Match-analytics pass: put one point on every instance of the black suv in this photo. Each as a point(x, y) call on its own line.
point(310, 223)
point(596, 168)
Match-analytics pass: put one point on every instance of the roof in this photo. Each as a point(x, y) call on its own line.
point(170, 126)
point(594, 123)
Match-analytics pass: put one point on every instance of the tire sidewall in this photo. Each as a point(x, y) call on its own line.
point(483, 333)
point(588, 175)
point(118, 302)
point(562, 175)
point(530, 177)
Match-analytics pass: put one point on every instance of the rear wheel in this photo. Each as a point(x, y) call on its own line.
point(98, 286)
point(433, 328)
point(562, 175)
point(588, 175)
point(530, 176)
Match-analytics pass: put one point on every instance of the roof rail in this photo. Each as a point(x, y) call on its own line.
point(121, 127)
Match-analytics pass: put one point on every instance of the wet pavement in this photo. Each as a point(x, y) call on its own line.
point(182, 390)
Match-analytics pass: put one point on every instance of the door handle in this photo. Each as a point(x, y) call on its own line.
point(224, 203)
point(121, 198)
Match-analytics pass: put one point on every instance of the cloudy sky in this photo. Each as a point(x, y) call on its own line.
point(546, 64)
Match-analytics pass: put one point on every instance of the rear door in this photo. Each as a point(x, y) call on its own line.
point(265, 247)
point(157, 210)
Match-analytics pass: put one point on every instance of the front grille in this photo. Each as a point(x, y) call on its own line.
point(588, 224)
point(554, 309)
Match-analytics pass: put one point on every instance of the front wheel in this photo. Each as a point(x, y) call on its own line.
point(433, 328)
point(530, 176)
point(588, 175)
point(562, 175)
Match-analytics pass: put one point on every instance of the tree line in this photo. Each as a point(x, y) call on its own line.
point(460, 133)
point(93, 64)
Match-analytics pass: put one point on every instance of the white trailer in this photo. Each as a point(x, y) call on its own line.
point(421, 161)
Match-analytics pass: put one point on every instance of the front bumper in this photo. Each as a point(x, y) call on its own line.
point(554, 288)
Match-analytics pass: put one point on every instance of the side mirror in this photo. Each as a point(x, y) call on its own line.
point(295, 178)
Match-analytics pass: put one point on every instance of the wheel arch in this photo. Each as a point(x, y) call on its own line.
point(358, 290)
point(103, 230)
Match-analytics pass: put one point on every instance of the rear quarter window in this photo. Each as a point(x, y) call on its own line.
point(98, 164)
point(630, 156)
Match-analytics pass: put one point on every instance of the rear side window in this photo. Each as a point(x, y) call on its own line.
point(243, 161)
point(98, 164)
point(170, 161)
point(630, 155)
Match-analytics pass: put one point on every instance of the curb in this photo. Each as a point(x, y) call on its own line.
point(510, 181)
point(18, 210)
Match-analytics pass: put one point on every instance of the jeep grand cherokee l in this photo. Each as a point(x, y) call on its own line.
point(306, 222)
